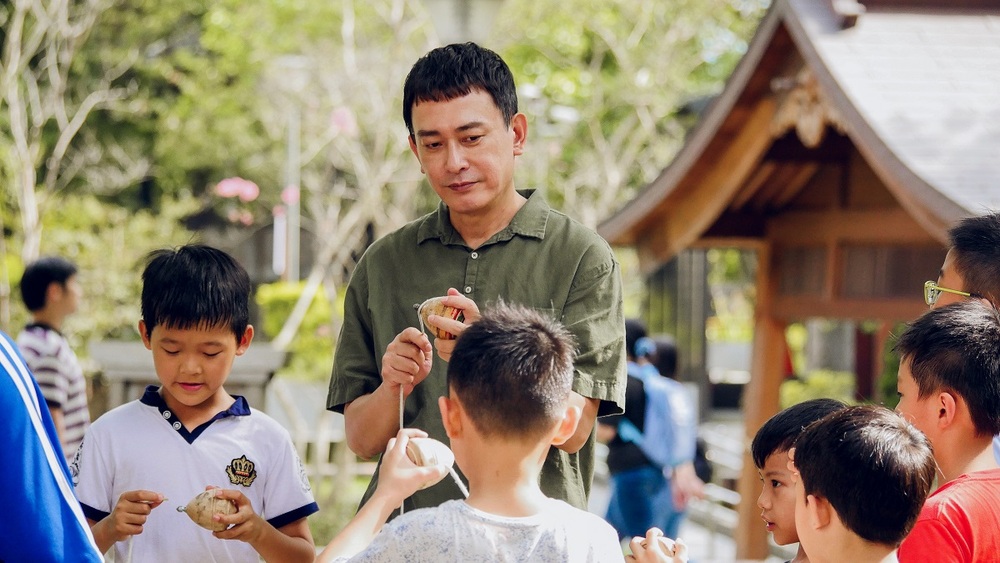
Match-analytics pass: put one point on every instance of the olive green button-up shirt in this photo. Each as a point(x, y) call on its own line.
point(542, 259)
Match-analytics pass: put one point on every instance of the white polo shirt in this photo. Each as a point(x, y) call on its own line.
point(142, 445)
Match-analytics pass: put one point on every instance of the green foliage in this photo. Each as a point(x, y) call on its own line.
point(818, 384)
point(311, 351)
point(108, 244)
point(890, 369)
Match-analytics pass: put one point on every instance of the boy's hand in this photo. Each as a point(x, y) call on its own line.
point(245, 524)
point(470, 313)
point(407, 360)
point(655, 548)
point(130, 513)
point(398, 476)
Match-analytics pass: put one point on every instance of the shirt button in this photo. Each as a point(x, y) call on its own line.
point(166, 415)
point(475, 255)
point(468, 289)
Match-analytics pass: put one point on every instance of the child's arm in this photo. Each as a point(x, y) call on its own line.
point(398, 479)
point(291, 542)
point(126, 519)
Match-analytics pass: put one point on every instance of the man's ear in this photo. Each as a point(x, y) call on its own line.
point(451, 416)
point(568, 424)
point(416, 153)
point(819, 512)
point(947, 409)
point(519, 127)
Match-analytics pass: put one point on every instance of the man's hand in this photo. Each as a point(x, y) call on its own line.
point(407, 360)
point(470, 313)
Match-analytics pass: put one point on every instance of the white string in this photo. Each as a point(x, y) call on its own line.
point(461, 485)
point(129, 558)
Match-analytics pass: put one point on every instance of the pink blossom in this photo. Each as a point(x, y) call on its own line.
point(342, 121)
point(290, 195)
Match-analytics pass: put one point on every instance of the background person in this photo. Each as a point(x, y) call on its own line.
point(51, 293)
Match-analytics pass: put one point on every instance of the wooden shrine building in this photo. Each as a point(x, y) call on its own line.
point(848, 140)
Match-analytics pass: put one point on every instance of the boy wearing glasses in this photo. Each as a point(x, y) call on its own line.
point(949, 387)
point(971, 269)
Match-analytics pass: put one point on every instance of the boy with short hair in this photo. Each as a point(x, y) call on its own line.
point(862, 474)
point(949, 386)
point(190, 432)
point(51, 293)
point(769, 449)
point(508, 402)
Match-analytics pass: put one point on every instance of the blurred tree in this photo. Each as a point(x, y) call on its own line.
point(607, 84)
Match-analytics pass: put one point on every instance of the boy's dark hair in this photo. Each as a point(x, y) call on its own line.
point(39, 275)
point(195, 286)
point(780, 431)
point(976, 245)
point(513, 371)
point(956, 348)
point(875, 468)
point(457, 70)
point(665, 356)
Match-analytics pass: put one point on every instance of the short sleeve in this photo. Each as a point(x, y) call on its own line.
point(355, 366)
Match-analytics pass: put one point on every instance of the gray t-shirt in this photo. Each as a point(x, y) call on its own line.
point(454, 531)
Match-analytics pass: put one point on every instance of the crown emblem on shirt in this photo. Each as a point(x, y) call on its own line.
point(241, 471)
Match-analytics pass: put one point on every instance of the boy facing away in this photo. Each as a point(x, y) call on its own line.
point(190, 433)
point(862, 474)
point(51, 292)
point(769, 448)
point(508, 402)
point(949, 387)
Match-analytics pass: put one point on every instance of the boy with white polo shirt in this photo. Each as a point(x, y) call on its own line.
point(189, 433)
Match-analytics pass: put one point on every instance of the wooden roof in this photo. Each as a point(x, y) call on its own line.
point(912, 85)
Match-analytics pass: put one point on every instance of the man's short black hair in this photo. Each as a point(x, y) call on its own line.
point(512, 370)
point(956, 348)
point(975, 243)
point(195, 286)
point(874, 468)
point(39, 275)
point(780, 431)
point(457, 70)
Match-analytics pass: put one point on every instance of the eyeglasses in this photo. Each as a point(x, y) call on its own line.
point(932, 291)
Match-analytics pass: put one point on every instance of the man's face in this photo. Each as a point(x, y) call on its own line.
point(467, 151)
point(950, 278)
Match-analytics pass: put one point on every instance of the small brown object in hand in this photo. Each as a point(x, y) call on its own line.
point(435, 306)
point(203, 507)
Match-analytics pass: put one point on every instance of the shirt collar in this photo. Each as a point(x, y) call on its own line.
point(529, 221)
point(151, 397)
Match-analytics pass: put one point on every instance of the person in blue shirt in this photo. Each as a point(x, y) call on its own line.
point(44, 521)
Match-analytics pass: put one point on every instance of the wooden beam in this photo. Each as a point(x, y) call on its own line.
point(796, 308)
point(802, 176)
point(760, 176)
point(881, 226)
point(760, 402)
point(696, 207)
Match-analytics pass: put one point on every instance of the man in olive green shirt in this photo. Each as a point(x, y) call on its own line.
point(485, 243)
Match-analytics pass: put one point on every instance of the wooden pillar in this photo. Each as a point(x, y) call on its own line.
point(760, 402)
